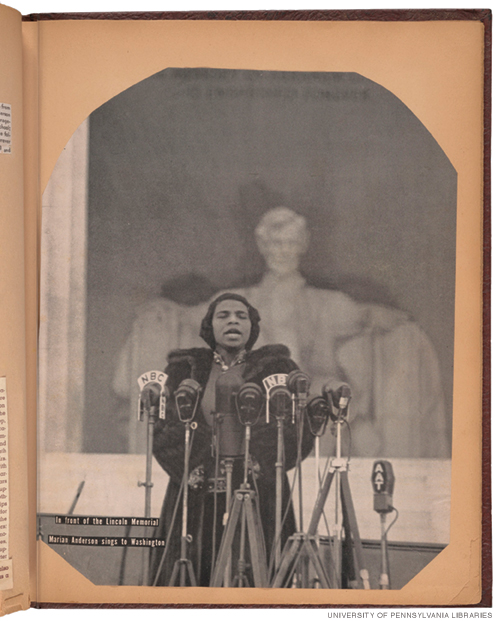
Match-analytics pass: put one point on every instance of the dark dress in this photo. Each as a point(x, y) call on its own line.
point(169, 451)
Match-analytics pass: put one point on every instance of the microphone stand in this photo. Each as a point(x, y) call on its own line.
point(317, 429)
point(228, 443)
point(187, 398)
point(279, 399)
point(241, 578)
point(345, 518)
point(385, 572)
point(228, 466)
point(148, 464)
point(300, 408)
point(301, 548)
point(184, 564)
point(148, 382)
point(383, 480)
point(244, 509)
point(338, 509)
point(279, 469)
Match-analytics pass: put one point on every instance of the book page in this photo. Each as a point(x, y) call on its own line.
point(436, 79)
point(14, 569)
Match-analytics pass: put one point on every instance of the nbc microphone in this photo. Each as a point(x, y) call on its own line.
point(152, 397)
point(152, 405)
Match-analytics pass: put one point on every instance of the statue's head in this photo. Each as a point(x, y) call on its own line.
point(282, 238)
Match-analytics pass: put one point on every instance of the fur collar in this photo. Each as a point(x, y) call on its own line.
point(197, 362)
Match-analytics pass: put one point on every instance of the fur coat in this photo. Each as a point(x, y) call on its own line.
point(169, 451)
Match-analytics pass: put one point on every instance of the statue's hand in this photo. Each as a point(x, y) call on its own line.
point(383, 319)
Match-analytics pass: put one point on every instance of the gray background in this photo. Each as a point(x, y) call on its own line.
point(183, 164)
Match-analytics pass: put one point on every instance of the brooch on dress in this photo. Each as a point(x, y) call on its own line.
point(239, 359)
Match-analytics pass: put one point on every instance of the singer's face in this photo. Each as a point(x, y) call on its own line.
point(231, 324)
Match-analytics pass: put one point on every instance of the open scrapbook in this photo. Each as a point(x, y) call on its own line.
point(241, 313)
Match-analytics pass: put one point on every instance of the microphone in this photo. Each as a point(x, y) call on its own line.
point(249, 403)
point(299, 385)
point(318, 413)
point(338, 397)
point(280, 402)
point(187, 397)
point(231, 433)
point(382, 479)
point(152, 394)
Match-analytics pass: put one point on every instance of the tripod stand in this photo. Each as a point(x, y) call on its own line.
point(302, 549)
point(346, 521)
point(301, 545)
point(244, 511)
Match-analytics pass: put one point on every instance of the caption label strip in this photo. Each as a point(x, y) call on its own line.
point(96, 540)
point(5, 128)
point(6, 581)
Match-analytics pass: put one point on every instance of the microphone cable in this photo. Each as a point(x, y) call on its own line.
point(393, 521)
point(385, 535)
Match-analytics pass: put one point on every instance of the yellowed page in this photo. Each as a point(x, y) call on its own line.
point(12, 317)
point(32, 253)
point(435, 68)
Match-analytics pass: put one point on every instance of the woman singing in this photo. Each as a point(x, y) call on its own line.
point(230, 328)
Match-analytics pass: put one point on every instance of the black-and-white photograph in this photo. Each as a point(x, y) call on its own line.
point(247, 335)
